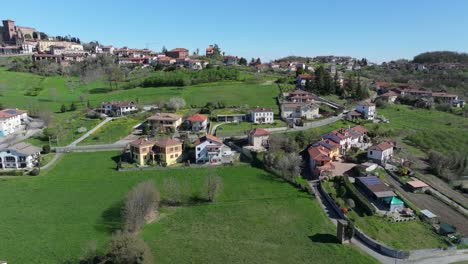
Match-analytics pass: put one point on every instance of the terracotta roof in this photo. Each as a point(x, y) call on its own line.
point(262, 109)
point(208, 137)
point(166, 142)
point(319, 153)
point(384, 84)
point(327, 143)
point(197, 118)
point(142, 142)
point(417, 184)
point(165, 116)
point(355, 113)
point(305, 76)
point(382, 146)
point(360, 129)
point(7, 113)
point(389, 93)
point(259, 132)
point(120, 103)
point(300, 92)
point(179, 50)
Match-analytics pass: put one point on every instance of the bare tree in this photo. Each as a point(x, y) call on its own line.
point(46, 117)
point(176, 103)
point(141, 203)
point(128, 248)
point(213, 185)
point(290, 166)
point(173, 190)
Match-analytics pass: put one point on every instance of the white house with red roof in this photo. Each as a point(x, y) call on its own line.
point(210, 149)
point(198, 122)
point(302, 79)
point(389, 96)
point(11, 120)
point(381, 153)
point(119, 108)
point(262, 115)
point(259, 138)
point(367, 110)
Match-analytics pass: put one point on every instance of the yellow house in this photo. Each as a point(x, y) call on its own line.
point(165, 122)
point(168, 151)
point(142, 151)
point(333, 148)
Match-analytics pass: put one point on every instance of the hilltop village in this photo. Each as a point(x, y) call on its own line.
point(342, 138)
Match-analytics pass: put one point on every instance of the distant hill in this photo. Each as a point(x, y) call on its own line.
point(295, 58)
point(441, 57)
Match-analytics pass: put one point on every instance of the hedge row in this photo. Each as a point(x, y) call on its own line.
point(360, 200)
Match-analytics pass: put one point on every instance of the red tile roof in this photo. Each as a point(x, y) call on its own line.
point(167, 142)
point(257, 132)
point(7, 113)
point(417, 184)
point(142, 142)
point(165, 116)
point(382, 146)
point(389, 93)
point(319, 153)
point(305, 76)
point(179, 50)
point(360, 129)
point(208, 137)
point(262, 109)
point(197, 118)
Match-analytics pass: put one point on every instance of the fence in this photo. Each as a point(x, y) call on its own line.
point(377, 246)
point(90, 148)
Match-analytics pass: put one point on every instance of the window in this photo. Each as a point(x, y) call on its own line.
point(198, 149)
point(370, 152)
point(177, 155)
point(172, 156)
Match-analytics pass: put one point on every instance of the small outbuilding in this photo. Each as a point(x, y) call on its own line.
point(417, 186)
point(429, 217)
point(447, 229)
point(394, 203)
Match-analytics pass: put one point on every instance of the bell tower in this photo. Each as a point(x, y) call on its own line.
point(9, 30)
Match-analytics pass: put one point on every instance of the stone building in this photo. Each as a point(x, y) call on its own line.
point(13, 34)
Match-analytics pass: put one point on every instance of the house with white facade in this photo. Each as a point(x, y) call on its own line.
point(210, 149)
point(198, 122)
point(261, 115)
point(367, 110)
point(118, 108)
point(11, 120)
point(295, 111)
point(19, 156)
point(381, 153)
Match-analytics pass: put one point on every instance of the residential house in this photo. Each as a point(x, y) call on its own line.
point(341, 136)
point(259, 138)
point(319, 160)
point(141, 151)
point(209, 51)
point(20, 156)
point(389, 96)
point(210, 149)
point(332, 147)
point(167, 151)
point(231, 60)
point(165, 60)
point(231, 118)
point(261, 115)
point(198, 122)
point(107, 49)
point(367, 110)
point(11, 120)
point(381, 153)
point(118, 108)
point(178, 53)
point(301, 96)
point(297, 111)
point(165, 122)
point(302, 79)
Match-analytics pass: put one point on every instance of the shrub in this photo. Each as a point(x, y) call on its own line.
point(213, 185)
point(46, 149)
point(35, 172)
point(129, 249)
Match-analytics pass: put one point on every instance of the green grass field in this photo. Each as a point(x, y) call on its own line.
point(427, 129)
point(112, 131)
point(257, 219)
point(57, 90)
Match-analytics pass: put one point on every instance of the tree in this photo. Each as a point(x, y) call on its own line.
point(35, 35)
point(46, 149)
point(114, 75)
point(290, 166)
point(128, 248)
point(164, 50)
point(350, 203)
point(242, 61)
point(140, 204)
point(258, 61)
point(72, 107)
point(63, 109)
point(176, 103)
point(43, 35)
point(322, 81)
point(213, 185)
point(46, 117)
point(173, 191)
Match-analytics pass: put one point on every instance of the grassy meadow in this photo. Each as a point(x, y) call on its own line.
point(257, 219)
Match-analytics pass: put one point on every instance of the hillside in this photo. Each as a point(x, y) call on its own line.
point(441, 57)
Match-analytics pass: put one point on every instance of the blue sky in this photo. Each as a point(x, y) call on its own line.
point(377, 29)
